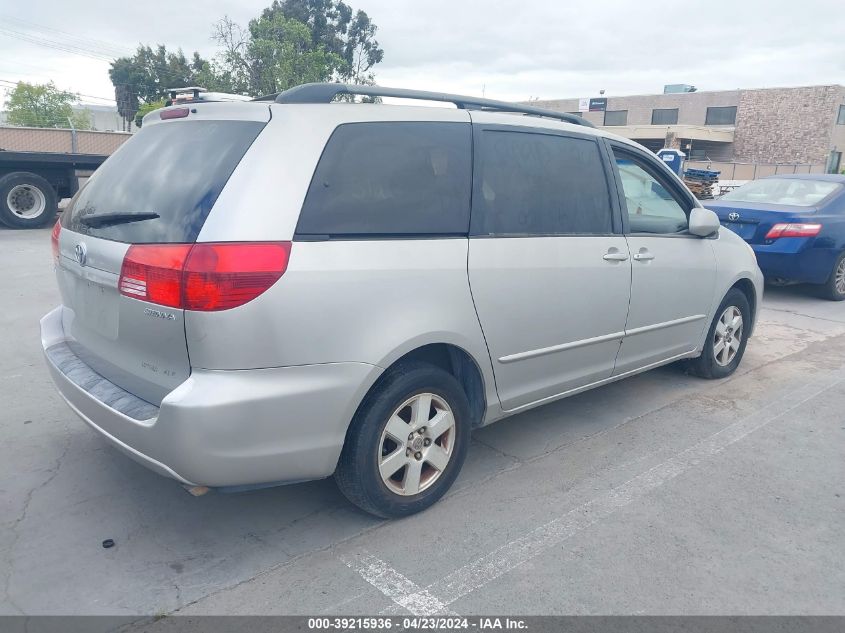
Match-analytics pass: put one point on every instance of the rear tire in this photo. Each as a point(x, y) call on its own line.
point(726, 338)
point(834, 288)
point(27, 201)
point(407, 442)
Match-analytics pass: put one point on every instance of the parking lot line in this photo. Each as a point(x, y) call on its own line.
point(434, 598)
point(402, 590)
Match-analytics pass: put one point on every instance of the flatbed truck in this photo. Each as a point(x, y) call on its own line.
point(33, 183)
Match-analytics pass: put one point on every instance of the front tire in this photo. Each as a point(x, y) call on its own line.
point(27, 201)
point(726, 338)
point(407, 442)
point(834, 288)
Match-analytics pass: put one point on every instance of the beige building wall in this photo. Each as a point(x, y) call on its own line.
point(773, 125)
point(692, 106)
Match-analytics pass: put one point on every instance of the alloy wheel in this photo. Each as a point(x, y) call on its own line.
point(416, 444)
point(839, 278)
point(727, 337)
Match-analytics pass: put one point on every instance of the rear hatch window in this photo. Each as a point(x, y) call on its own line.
point(159, 187)
point(786, 191)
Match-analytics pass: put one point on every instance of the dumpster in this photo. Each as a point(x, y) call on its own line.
point(674, 159)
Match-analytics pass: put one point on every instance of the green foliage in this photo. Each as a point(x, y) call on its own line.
point(81, 119)
point(292, 42)
point(276, 53)
point(145, 109)
point(44, 105)
point(338, 29)
point(149, 74)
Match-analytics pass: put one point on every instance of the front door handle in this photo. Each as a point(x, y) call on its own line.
point(643, 256)
point(615, 256)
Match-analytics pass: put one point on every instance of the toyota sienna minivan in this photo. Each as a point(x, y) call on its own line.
point(266, 292)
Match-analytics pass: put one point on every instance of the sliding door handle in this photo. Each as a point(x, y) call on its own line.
point(615, 257)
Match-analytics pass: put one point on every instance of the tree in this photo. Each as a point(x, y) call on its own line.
point(81, 119)
point(274, 54)
point(149, 74)
point(44, 105)
point(291, 42)
point(361, 50)
point(339, 30)
point(146, 108)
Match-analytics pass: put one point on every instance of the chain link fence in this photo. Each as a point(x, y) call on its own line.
point(752, 171)
point(65, 141)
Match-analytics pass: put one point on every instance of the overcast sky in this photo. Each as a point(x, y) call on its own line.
point(507, 49)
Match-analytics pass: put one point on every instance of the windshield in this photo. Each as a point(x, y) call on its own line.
point(161, 184)
point(791, 191)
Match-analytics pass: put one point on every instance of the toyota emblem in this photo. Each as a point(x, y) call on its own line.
point(733, 216)
point(81, 253)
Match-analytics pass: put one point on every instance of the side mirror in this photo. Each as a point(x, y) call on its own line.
point(703, 222)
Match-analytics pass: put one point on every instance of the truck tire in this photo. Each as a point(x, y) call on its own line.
point(27, 201)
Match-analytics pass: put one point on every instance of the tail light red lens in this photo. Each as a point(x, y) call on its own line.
point(54, 240)
point(793, 230)
point(173, 113)
point(153, 272)
point(203, 277)
point(223, 276)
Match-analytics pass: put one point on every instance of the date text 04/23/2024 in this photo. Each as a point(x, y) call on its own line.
point(422, 623)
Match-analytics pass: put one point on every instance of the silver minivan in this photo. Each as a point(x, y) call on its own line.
point(257, 293)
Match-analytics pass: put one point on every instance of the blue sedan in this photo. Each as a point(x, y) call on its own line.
point(796, 226)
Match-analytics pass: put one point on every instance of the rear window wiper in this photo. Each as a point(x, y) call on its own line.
point(107, 219)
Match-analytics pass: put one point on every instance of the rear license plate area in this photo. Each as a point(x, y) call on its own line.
point(744, 229)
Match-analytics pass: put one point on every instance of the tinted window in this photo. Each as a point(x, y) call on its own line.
point(391, 179)
point(721, 116)
point(539, 184)
point(840, 120)
point(616, 117)
point(664, 116)
point(175, 170)
point(651, 208)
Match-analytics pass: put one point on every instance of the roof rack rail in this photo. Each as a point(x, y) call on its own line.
point(326, 92)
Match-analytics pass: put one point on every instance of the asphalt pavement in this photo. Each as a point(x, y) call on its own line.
point(660, 494)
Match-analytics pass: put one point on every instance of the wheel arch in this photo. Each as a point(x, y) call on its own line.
point(457, 361)
point(750, 285)
point(746, 287)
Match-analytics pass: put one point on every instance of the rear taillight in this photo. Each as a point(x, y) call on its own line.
point(793, 230)
point(204, 277)
point(153, 272)
point(54, 240)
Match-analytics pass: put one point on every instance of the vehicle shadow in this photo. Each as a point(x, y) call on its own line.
point(172, 548)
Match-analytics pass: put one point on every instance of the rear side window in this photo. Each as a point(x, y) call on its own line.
point(171, 170)
point(391, 179)
point(539, 184)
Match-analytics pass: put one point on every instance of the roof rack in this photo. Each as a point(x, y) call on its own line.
point(326, 92)
point(190, 94)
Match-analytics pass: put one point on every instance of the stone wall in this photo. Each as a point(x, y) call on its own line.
point(786, 125)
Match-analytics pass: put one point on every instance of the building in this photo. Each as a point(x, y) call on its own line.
point(762, 131)
point(103, 118)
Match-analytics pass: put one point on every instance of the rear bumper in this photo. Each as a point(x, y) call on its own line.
point(222, 428)
point(807, 265)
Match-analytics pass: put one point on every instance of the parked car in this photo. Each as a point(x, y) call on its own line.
point(277, 291)
point(796, 226)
